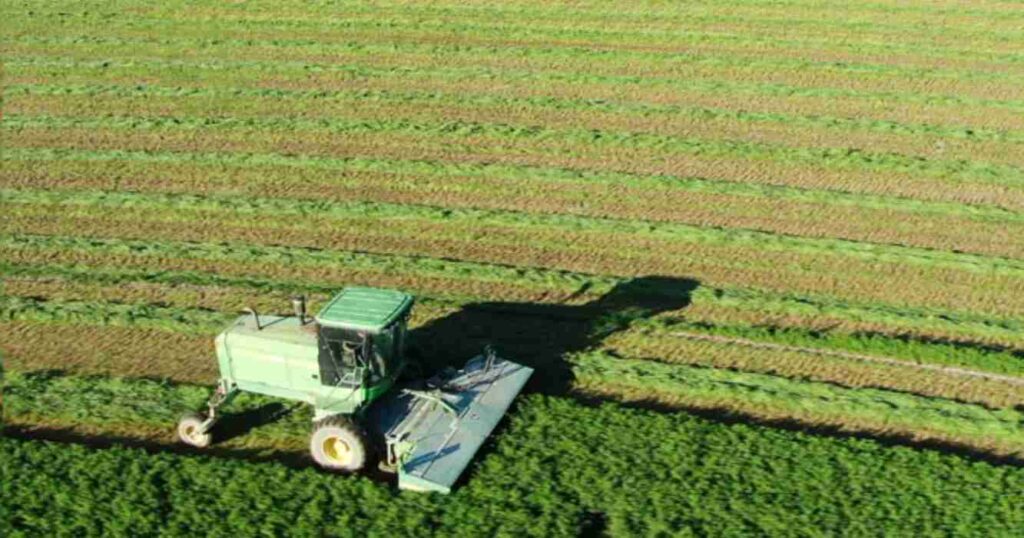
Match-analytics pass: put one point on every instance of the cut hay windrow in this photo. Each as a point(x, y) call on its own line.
point(596, 246)
point(843, 170)
point(72, 200)
point(951, 111)
point(466, 149)
point(152, 304)
point(95, 400)
point(421, 67)
point(216, 168)
point(51, 397)
point(128, 335)
point(970, 229)
point(813, 403)
point(769, 317)
point(506, 30)
point(36, 98)
point(197, 281)
point(719, 64)
point(599, 23)
point(846, 369)
point(277, 269)
point(873, 137)
point(551, 138)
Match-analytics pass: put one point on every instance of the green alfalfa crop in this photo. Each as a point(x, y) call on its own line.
point(557, 467)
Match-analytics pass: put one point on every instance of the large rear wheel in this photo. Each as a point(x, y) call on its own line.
point(339, 444)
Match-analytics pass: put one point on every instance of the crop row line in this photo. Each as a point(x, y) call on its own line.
point(960, 261)
point(950, 370)
point(210, 291)
point(705, 40)
point(603, 58)
point(836, 158)
point(576, 188)
point(814, 403)
point(518, 75)
point(567, 244)
point(440, 168)
point(567, 283)
point(652, 33)
point(443, 298)
point(546, 102)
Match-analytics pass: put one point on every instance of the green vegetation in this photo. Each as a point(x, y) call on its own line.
point(954, 171)
point(94, 401)
point(557, 468)
point(814, 403)
point(824, 200)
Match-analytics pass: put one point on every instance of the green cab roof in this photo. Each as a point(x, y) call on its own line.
point(364, 309)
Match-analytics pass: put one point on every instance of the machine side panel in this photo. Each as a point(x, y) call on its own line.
point(224, 357)
point(262, 356)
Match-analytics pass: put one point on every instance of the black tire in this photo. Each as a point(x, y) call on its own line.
point(339, 444)
point(188, 431)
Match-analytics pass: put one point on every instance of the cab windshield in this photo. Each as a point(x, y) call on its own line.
point(343, 353)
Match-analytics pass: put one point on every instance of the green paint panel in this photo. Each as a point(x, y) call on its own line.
point(364, 309)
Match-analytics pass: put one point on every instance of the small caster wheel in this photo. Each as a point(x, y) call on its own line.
point(189, 433)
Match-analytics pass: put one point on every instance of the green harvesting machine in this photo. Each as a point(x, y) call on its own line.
point(346, 362)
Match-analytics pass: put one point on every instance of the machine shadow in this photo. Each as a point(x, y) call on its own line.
point(542, 335)
point(238, 423)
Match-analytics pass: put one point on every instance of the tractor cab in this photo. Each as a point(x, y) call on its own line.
point(361, 336)
point(344, 358)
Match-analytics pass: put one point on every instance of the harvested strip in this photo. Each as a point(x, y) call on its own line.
point(974, 229)
point(645, 249)
point(719, 66)
point(847, 170)
point(814, 404)
point(278, 270)
point(837, 367)
point(187, 99)
point(155, 280)
point(610, 38)
point(707, 124)
point(87, 348)
point(551, 137)
point(955, 113)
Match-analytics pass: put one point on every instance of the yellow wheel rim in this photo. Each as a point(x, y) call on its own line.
point(337, 451)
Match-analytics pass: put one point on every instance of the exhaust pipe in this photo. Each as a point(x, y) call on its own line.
point(255, 317)
point(299, 306)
